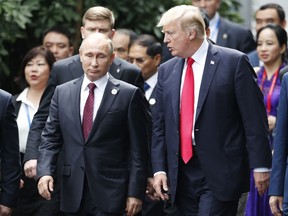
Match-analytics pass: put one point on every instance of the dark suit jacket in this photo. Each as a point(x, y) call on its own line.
point(63, 71)
point(9, 152)
point(114, 157)
point(254, 59)
point(230, 123)
point(282, 72)
point(235, 36)
point(279, 175)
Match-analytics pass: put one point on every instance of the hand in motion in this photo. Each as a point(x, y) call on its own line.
point(45, 186)
point(276, 205)
point(161, 186)
point(133, 206)
point(261, 181)
point(150, 192)
point(30, 168)
point(5, 211)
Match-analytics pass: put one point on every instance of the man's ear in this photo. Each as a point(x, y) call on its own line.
point(192, 34)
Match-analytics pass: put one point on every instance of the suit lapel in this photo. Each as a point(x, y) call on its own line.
point(115, 69)
point(110, 93)
point(210, 68)
point(75, 99)
point(175, 88)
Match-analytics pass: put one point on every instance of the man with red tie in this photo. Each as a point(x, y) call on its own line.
point(210, 125)
point(102, 126)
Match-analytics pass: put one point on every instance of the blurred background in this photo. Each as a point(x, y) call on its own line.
point(23, 21)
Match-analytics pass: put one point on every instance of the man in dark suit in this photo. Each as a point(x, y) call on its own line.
point(9, 155)
point(224, 32)
point(279, 176)
point(206, 149)
point(145, 52)
point(96, 19)
point(268, 13)
point(104, 170)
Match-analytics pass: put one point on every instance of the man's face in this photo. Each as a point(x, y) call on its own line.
point(147, 64)
point(96, 58)
point(58, 44)
point(176, 39)
point(94, 26)
point(210, 6)
point(264, 17)
point(121, 45)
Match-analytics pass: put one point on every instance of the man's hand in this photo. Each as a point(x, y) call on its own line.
point(276, 205)
point(5, 211)
point(261, 180)
point(30, 168)
point(150, 192)
point(45, 186)
point(160, 185)
point(133, 206)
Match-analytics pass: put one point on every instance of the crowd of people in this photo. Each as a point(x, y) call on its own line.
point(129, 125)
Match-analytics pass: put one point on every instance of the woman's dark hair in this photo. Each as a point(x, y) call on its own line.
point(39, 50)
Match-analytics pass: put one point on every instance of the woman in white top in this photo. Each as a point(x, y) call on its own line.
point(34, 74)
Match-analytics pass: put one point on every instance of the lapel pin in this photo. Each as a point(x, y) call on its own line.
point(152, 101)
point(118, 70)
point(225, 36)
point(212, 62)
point(114, 91)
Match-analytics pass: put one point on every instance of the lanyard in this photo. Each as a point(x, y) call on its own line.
point(28, 115)
point(275, 76)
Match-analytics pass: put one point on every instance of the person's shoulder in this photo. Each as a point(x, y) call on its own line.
point(233, 26)
point(122, 84)
point(4, 94)
point(126, 65)
point(67, 61)
point(70, 83)
point(171, 62)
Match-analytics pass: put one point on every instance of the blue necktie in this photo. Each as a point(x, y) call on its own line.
point(146, 86)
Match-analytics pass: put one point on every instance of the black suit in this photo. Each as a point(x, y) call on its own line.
point(234, 36)
point(114, 158)
point(9, 152)
point(63, 71)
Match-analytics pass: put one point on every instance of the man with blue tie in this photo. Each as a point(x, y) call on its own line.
point(210, 127)
point(102, 126)
point(145, 52)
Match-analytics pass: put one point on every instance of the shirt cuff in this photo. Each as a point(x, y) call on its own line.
point(159, 172)
point(261, 169)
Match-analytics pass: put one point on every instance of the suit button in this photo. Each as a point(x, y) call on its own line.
point(176, 154)
point(196, 129)
point(177, 131)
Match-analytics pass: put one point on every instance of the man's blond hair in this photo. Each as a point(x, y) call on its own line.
point(188, 16)
point(99, 13)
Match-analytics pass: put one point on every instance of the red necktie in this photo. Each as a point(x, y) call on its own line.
point(87, 121)
point(187, 113)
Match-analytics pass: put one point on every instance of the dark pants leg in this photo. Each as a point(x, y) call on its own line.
point(88, 207)
point(194, 197)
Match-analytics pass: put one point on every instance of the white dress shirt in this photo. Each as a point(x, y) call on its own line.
point(98, 93)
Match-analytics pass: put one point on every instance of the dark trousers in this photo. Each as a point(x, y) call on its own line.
point(88, 207)
point(194, 197)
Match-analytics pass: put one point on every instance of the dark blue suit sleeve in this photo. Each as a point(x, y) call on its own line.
point(280, 144)
point(10, 157)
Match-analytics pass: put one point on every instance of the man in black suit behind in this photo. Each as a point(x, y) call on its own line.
point(224, 32)
point(9, 155)
point(104, 169)
point(96, 19)
point(206, 138)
